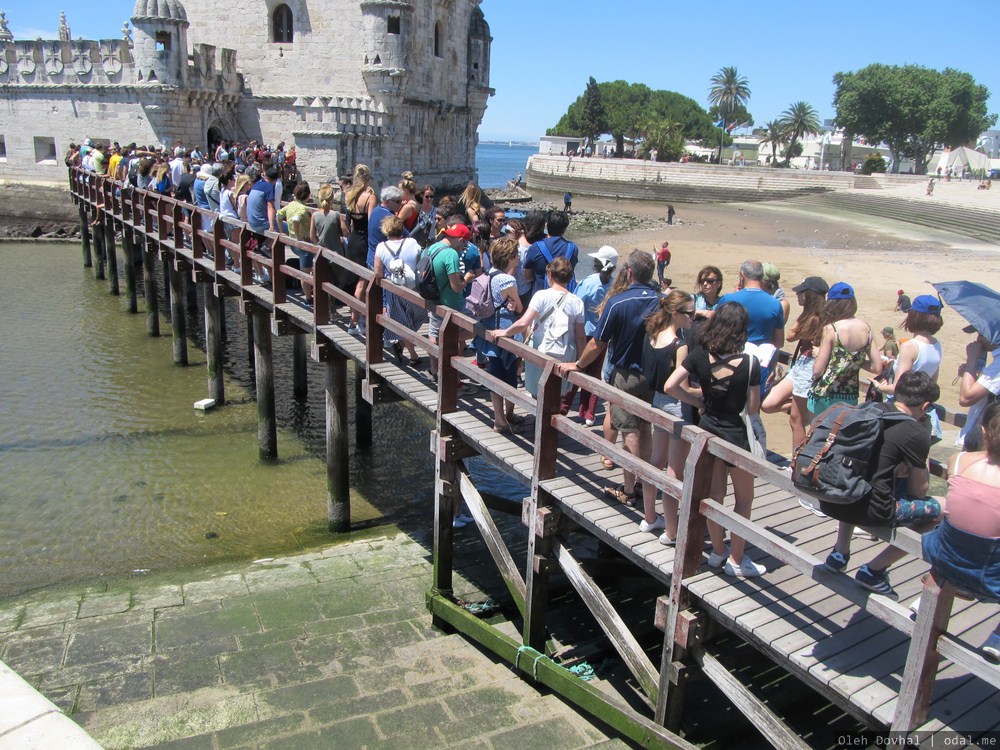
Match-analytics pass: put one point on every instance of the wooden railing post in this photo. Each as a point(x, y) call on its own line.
point(917, 684)
point(691, 528)
point(128, 249)
point(374, 302)
point(267, 427)
point(321, 300)
point(540, 560)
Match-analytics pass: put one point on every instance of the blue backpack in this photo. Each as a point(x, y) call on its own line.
point(571, 254)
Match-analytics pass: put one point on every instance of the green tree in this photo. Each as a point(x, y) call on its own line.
point(798, 121)
point(627, 107)
point(593, 116)
point(774, 136)
point(730, 93)
point(665, 136)
point(912, 109)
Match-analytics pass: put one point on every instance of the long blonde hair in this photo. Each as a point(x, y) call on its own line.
point(325, 196)
point(362, 179)
point(243, 183)
point(472, 196)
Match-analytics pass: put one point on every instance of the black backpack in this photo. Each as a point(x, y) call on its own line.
point(840, 455)
point(427, 284)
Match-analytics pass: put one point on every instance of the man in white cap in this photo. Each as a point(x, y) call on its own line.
point(177, 167)
point(592, 290)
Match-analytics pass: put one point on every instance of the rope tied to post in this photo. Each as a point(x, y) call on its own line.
point(534, 662)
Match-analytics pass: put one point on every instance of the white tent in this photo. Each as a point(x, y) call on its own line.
point(961, 158)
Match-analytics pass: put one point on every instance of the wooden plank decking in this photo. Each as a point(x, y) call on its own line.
point(832, 641)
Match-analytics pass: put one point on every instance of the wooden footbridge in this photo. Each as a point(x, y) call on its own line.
point(863, 652)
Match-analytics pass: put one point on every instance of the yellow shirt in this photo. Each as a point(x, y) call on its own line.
point(297, 216)
point(113, 164)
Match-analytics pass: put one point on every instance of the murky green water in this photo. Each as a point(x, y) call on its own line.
point(105, 467)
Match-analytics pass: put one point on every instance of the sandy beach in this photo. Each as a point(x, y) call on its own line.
point(875, 256)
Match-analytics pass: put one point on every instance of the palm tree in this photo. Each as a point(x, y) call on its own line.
point(774, 136)
point(729, 92)
point(798, 120)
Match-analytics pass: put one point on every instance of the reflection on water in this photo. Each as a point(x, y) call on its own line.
point(107, 468)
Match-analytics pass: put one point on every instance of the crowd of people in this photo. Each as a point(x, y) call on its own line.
point(705, 357)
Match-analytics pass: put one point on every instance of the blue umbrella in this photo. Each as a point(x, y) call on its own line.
point(975, 302)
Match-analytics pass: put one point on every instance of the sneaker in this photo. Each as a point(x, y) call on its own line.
point(461, 521)
point(352, 329)
point(915, 607)
point(814, 509)
point(589, 422)
point(650, 527)
point(991, 649)
point(875, 580)
point(716, 561)
point(746, 569)
point(836, 562)
point(666, 541)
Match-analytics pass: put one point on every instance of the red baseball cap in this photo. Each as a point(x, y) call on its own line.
point(458, 231)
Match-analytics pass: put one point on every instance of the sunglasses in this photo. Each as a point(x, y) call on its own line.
point(710, 280)
point(687, 312)
point(428, 195)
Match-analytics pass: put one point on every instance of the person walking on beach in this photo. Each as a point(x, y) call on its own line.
point(670, 213)
point(567, 202)
point(662, 261)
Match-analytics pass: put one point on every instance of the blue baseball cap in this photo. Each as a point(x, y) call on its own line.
point(840, 290)
point(927, 303)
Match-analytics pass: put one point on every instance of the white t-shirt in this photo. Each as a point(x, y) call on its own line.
point(407, 248)
point(556, 334)
point(989, 379)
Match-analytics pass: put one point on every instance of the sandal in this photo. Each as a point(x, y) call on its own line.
point(515, 419)
point(607, 462)
point(617, 492)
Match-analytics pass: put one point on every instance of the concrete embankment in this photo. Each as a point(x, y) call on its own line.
point(689, 183)
point(36, 209)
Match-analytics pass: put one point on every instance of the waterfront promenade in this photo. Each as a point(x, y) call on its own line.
point(328, 649)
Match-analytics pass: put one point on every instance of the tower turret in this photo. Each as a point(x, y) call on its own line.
point(161, 47)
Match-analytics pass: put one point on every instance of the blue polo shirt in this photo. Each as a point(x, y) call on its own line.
point(375, 234)
point(764, 310)
point(623, 325)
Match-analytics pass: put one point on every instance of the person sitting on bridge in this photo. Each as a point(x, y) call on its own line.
point(964, 550)
point(894, 499)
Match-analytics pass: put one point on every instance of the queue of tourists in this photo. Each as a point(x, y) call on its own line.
point(702, 356)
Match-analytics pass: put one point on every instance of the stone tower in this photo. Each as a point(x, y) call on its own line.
point(161, 45)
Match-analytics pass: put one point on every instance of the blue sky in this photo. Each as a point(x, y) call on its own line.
point(544, 50)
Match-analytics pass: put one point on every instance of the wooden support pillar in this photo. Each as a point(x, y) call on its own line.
point(362, 411)
point(88, 260)
point(446, 495)
point(251, 362)
point(177, 318)
point(165, 260)
point(108, 223)
point(99, 252)
point(149, 285)
point(698, 470)
point(539, 539)
point(213, 346)
point(267, 426)
point(300, 380)
point(128, 247)
point(223, 334)
point(191, 294)
point(338, 469)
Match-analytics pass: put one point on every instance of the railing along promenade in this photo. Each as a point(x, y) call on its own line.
point(862, 651)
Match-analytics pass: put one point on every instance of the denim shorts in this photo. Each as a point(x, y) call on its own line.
point(667, 404)
point(968, 562)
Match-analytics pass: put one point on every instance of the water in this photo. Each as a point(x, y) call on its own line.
point(499, 163)
point(107, 469)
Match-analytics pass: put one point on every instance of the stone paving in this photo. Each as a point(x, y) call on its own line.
point(330, 649)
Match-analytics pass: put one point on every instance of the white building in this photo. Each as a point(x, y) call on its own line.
point(397, 85)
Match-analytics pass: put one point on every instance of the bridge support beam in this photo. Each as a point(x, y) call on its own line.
point(338, 468)
point(98, 235)
point(149, 287)
point(300, 379)
point(175, 277)
point(128, 248)
point(362, 411)
point(267, 425)
point(108, 226)
point(213, 346)
point(88, 260)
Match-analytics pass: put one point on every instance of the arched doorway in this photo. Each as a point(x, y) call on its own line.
point(216, 134)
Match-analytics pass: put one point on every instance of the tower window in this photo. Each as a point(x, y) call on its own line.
point(392, 25)
point(45, 150)
point(3, 148)
point(282, 24)
point(437, 39)
point(162, 41)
